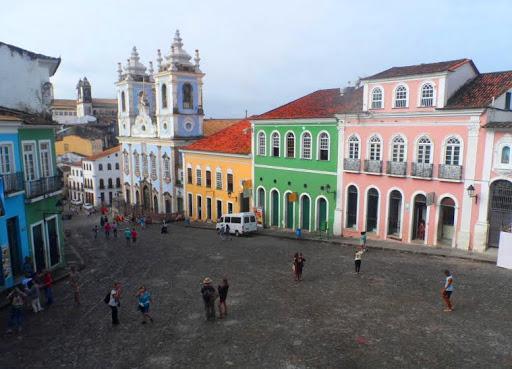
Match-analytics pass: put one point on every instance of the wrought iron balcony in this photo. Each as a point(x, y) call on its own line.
point(396, 168)
point(13, 182)
point(43, 186)
point(373, 166)
point(352, 165)
point(422, 170)
point(453, 172)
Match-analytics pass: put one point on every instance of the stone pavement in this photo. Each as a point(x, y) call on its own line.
point(390, 316)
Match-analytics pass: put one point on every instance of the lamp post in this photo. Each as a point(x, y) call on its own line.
point(471, 193)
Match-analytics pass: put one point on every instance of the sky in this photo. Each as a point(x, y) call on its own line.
point(260, 54)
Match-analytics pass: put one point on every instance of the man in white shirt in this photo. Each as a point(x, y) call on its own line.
point(447, 291)
point(114, 302)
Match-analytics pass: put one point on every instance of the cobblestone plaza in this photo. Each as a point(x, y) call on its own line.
point(390, 316)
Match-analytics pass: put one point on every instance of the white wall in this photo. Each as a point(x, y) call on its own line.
point(456, 79)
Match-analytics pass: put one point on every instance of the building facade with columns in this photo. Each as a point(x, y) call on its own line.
point(159, 111)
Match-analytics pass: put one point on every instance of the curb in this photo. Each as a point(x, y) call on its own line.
point(469, 257)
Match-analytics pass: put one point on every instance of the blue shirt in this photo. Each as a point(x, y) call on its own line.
point(145, 298)
point(446, 286)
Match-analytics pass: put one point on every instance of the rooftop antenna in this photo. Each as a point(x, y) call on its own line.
point(245, 113)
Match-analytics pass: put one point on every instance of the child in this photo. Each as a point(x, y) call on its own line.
point(223, 294)
point(447, 291)
point(362, 241)
point(33, 295)
point(134, 235)
point(144, 298)
point(48, 281)
point(114, 228)
point(127, 236)
point(357, 259)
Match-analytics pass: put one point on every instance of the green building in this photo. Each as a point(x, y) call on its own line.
point(43, 188)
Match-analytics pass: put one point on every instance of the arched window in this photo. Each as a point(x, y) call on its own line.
point(110, 183)
point(100, 166)
point(109, 166)
point(164, 96)
point(306, 145)
point(123, 102)
point(427, 95)
point(505, 155)
point(375, 148)
point(377, 98)
point(323, 146)
point(188, 101)
point(167, 166)
point(145, 170)
point(261, 144)
point(118, 182)
point(353, 147)
point(398, 149)
point(452, 151)
point(102, 184)
point(424, 150)
point(275, 144)
point(352, 202)
point(117, 166)
point(290, 145)
point(401, 97)
point(198, 176)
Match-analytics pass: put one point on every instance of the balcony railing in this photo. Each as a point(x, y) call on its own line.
point(13, 182)
point(352, 165)
point(396, 168)
point(43, 186)
point(373, 166)
point(422, 170)
point(453, 172)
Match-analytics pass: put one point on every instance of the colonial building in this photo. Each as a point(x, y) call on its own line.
point(75, 183)
point(159, 111)
point(82, 140)
point(101, 178)
point(30, 186)
point(218, 173)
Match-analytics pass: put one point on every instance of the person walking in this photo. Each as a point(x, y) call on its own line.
point(209, 295)
point(16, 299)
point(114, 228)
point(447, 290)
point(48, 287)
point(102, 221)
point(144, 299)
point(34, 295)
point(134, 235)
point(362, 241)
point(74, 279)
point(227, 231)
point(300, 266)
point(223, 294)
point(357, 259)
point(127, 236)
point(95, 230)
point(107, 228)
point(295, 266)
point(114, 302)
point(222, 232)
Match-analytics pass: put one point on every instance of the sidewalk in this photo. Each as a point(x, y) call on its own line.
point(374, 244)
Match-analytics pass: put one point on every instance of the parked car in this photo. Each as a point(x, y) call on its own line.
point(239, 223)
point(88, 206)
point(76, 202)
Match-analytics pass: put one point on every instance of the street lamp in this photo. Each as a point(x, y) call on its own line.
point(471, 193)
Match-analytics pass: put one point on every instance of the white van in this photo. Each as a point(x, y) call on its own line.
point(239, 223)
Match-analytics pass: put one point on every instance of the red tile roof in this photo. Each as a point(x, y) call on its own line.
point(102, 154)
point(478, 92)
point(421, 69)
point(212, 126)
point(319, 104)
point(236, 139)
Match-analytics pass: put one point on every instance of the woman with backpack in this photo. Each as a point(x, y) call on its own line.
point(113, 300)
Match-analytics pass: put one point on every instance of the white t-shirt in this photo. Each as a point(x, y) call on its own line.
point(112, 301)
point(359, 255)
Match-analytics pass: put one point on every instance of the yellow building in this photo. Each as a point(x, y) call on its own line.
point(217, 173)
point(79, 140)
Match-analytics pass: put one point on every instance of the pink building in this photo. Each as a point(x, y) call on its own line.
point(426, 156)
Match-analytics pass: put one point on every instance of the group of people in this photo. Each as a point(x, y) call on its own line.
point(130, 235)
point(298, 265)
point(113, 300)
point(210, 295)
point(29, 294)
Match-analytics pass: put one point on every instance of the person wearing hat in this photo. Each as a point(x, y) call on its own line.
point(209, 295)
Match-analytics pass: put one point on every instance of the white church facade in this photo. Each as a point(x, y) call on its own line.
point(158, 112)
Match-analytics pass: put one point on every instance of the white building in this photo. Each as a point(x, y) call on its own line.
point(158, 113)
point(75, 182)
point(101, 177)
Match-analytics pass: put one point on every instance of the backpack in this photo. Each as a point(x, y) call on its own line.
point(106, 300)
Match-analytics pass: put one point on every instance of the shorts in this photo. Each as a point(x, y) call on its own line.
point(144, 309)
point(448, 293)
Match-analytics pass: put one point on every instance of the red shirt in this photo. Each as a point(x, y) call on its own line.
point(134, 234)
point(107, 227)
point(48, 280)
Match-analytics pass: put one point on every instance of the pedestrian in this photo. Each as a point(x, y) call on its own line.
point(362, 240)
point(28, 267)
point(33, 296)
point(447, 291)
point(300, 265)
point(127, 236)
point(164, 227)
point(143, 222)
point(102, 221)
point(74, 279)
point(107, 228)
point(134, 235)
point(48, 291)
point(209, 295)
point(95, 230)
point(113, 300)
point(228, 232)
point(223, 294)
point(295, 266)
point(357, 259)
point(144, 299)
point(114, 228)
point(222, 232)
point(16, 300)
